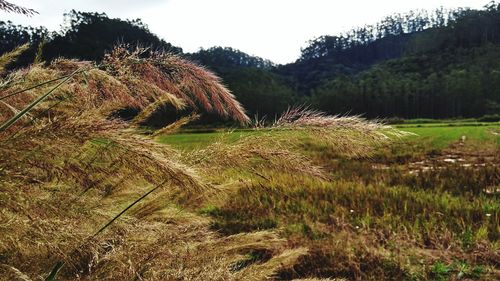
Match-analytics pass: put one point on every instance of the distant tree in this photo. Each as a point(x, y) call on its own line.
point(88, 36)
point(12, 36)
point(437, 64)
point(220, 59)
point(261, 92)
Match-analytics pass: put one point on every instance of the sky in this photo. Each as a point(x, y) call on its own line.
point(271, 29)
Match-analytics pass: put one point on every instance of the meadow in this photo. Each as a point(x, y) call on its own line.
point(422, 208)
point(89, 192)
point(438, 134)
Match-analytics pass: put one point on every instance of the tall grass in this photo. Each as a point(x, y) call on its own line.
point(37, 101)
point(198, 87)
point(8, 57)
point(100, 170)
point(12, 8)
point(86, 196)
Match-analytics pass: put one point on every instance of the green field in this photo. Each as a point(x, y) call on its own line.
point(440, 135)
point(437, 135)
point(408, 212)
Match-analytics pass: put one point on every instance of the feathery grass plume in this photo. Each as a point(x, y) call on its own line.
point(153, 158)
point(198, 87)
point(34, 103)
point(284, 260)
point(261, 150)
point(39, 51)
point(348, 135)
point(176, 125)
point(14, 110)
point(245, 242)
point(119, 85)
point(10, 57)
point(278, 148)
point(167, 100)
point(20, 96)
point(61, 162)
point(84, 171)
point(12, 8)
point(12, 273)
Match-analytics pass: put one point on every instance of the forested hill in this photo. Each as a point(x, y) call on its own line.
point(439, 64)
point(450, 69)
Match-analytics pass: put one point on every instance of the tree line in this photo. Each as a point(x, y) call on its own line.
point(444, 71)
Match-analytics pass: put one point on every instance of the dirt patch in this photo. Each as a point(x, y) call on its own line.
point(458, 154)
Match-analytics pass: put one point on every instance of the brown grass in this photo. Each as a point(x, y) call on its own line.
point(350, 136)
point(11, 56)
point(198, 87)
point(12, 8)
point(82, 188)
point(69, 170)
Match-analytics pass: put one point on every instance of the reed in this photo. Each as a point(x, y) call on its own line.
point(85, 195)
point(12, 8)
point(9, 57)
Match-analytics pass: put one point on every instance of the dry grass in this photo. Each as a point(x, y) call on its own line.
point(265, 150)
point(12, 8)
point(280, 147)
point(84, 189)
point(198, 87)
point(11, 56)
point(69, 168)
point(350, 136)
point(125, 80)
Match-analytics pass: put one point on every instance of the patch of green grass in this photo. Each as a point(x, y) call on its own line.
point(440, 271)
point(439, 136)
point(433, 136)
point(460, 269)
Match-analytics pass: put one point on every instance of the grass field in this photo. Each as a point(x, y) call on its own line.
point(437, 135)
point(440, 135)
point(423, 208)
point(85, 196)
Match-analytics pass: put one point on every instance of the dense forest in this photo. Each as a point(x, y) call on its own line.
point(439, 64)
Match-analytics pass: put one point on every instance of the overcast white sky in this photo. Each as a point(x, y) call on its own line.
point(272, 29)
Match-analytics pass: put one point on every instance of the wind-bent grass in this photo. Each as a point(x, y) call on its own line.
point(434, 137)
point(12, 8)
point(258, 204)
point(83, 169)
point(11, 56)
point(37, 101)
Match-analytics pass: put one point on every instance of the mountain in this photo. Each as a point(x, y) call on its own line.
point(445, 71)
point(440, 64)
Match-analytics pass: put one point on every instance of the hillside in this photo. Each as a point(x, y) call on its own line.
point(455, 83)
point(399, 67)
point(440, 64)
point(443, 68)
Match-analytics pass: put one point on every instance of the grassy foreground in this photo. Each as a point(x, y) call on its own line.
point(424, 208)
point(86, 194)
